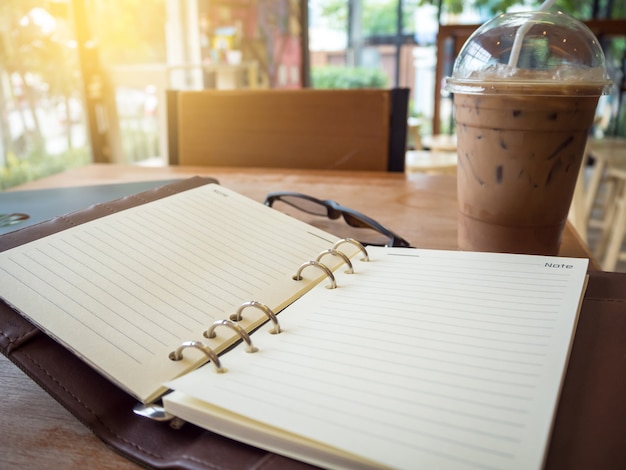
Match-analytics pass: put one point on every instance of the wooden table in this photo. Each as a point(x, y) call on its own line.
point(38, 433)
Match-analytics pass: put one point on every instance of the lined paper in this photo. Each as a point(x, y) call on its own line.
point(125, 290)
point(422, 359)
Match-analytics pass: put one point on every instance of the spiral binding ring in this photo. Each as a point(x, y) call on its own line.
point(354, 242)
point(341, 254)
point(178, 354)
point(264, 308)
point(328, 272)
point(210, 333)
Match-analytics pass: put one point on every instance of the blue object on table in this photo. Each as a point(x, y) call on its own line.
point(19, 209)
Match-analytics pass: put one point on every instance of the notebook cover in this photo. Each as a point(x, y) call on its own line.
point(590, 420)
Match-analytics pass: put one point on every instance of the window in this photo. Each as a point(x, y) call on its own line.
point(361, 43)
point(42, 119)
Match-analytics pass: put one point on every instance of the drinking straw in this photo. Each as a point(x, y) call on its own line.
point(521, 32)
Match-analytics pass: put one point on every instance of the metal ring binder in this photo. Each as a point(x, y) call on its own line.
point(210, 333)
point(178, 354)
point(264, 308)
point(152, 411)
point(354, 242)
point(341, 254)
point(328, 272)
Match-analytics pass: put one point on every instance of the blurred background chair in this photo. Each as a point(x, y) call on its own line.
point(604, 208)
point(346, 129)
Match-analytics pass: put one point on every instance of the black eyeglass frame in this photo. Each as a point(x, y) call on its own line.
point(334, 210)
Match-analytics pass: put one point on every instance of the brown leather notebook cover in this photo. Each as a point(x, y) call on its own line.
point(589, 430)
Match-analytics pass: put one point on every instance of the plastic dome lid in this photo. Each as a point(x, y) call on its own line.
point(531, 52)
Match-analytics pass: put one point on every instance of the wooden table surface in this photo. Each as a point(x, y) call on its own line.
point(38, 433)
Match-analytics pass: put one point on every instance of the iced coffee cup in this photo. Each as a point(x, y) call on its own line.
point(526, 87)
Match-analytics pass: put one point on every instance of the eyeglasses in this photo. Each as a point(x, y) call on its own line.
point(334, 210)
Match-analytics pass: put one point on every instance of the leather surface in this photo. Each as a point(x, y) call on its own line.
point(590, 426)
point(588, 432)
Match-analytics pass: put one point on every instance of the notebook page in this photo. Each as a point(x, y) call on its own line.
point(422, 359)
point(125, 290)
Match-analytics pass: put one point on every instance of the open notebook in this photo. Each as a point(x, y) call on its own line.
point(433, 357)
point(124, 290)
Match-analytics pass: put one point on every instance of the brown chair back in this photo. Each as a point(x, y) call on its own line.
point(355, 129)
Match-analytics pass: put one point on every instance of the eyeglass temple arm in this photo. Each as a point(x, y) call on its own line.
point(395, 238)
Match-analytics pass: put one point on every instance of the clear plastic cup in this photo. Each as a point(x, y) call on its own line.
point(526, 87)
